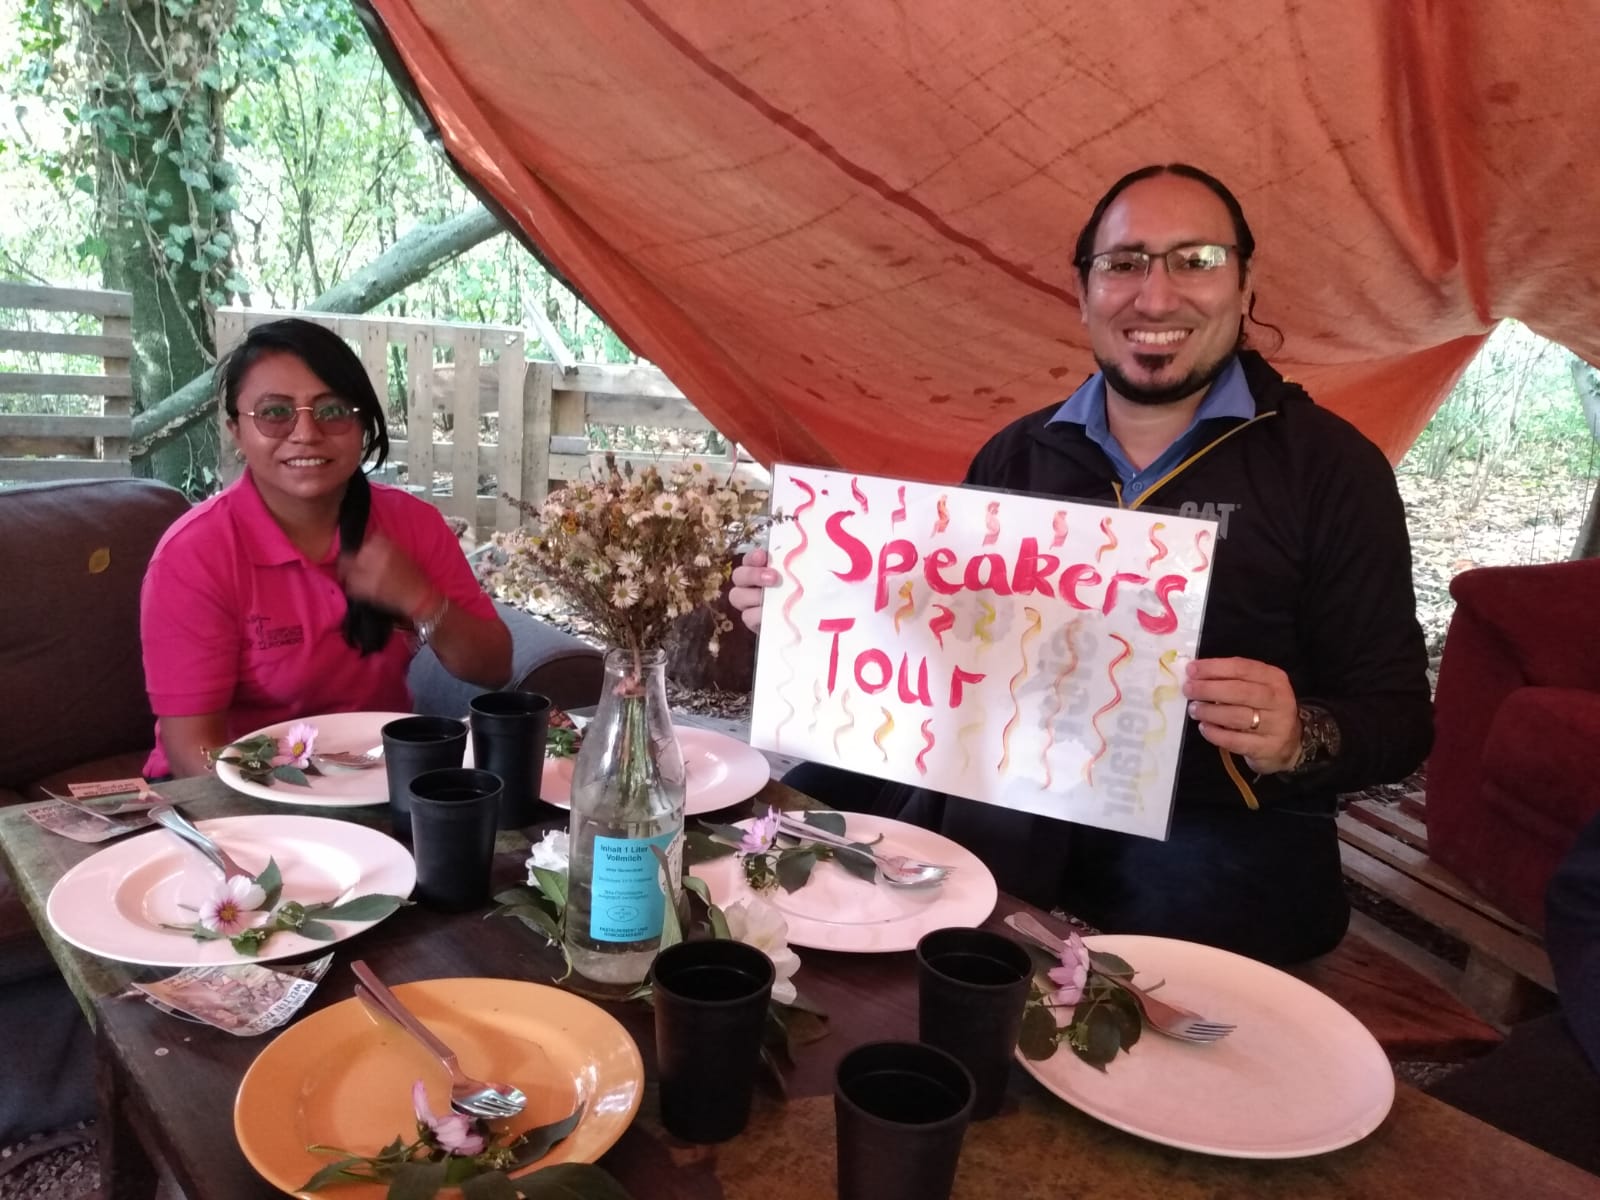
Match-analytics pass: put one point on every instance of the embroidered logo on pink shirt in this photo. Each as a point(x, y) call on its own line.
point(271, 637)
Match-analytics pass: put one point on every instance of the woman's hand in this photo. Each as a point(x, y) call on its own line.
point(383, 574)
point(751, 578)
point(1248, 708)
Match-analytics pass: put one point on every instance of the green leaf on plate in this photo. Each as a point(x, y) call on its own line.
point(417, 1181)
point(270, 881)
point(535, 918)
point(824, 819)
point(1109, 964)
point(1125, 1009)
point(491, 1185)
point(537, 1142)
point(292, 775)
point(699, 847)
point(337, 1172)
point(794, 867)
point(317, 931)
point(857, 863)
point(1102, 1037)
point(729, 834)
point(372, 907)
point(1038, 1038)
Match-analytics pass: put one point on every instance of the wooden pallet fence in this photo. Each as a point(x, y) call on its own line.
point(541, 412)
point(66, 445)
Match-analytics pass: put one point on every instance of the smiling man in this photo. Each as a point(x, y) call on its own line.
point(1311, 674)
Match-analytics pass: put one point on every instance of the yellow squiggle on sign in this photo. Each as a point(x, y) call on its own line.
point(980, 628)
point(1035, 623)
point(906, 609)
point(963, 740)
point(849, 722)
point(883, 731)
point(1162, 694)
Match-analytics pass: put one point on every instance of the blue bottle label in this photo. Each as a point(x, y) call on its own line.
point(628, 904)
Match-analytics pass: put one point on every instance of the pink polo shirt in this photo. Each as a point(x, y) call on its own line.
point(233, 618)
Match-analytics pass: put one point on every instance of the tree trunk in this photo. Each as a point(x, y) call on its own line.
point(414, 256)
point(691, 665)
point(1587, 380)
point(155, 125)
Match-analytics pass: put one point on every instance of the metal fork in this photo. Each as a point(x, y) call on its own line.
point(475, 1097)
point(896, 869)
point(176, 822)
point(1170, 1019)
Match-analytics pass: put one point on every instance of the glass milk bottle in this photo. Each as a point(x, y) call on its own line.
point(627, 798)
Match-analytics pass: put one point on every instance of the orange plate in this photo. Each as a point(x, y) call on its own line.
point(343, 1077)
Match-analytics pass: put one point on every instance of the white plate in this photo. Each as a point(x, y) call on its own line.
point(721, 771)
point(1299, 1076)
point(836, 910)
point(354, 731)
point(114, 903)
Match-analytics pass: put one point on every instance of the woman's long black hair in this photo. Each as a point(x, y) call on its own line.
point(366, 626)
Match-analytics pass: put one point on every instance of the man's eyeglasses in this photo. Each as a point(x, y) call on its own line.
point(1184, 263)
point(276, 418)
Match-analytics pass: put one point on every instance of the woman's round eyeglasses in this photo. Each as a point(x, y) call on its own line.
point(276, 418)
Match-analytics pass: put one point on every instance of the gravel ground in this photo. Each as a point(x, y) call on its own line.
point(58, 1166)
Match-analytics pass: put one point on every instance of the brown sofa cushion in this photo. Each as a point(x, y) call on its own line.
point(74, 555)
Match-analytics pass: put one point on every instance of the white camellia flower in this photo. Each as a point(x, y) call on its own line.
point(756, 923)
point(550, 853)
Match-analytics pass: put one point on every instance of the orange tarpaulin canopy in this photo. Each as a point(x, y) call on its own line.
point(845, 230)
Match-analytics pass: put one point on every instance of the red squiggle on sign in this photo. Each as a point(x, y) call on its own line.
point(1200, 549)
point(991, 522)
point(1035, 623)
point(927, 744)
point(792, 600)
point(1111, 539)
point(1058, 529)
point(857, 494)
point(899, 513)
point(1160, 546)
point(941, 624)
point(942, 507)
point(1111, 674)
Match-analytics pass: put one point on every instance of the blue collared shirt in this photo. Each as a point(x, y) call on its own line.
point(1228, 396)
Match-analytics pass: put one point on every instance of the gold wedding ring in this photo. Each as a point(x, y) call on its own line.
point(1255, 719)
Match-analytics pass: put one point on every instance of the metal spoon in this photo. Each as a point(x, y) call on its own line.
point(894, 869)
point(340, 761)
point(176, 822)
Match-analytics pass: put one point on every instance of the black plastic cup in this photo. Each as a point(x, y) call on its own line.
point(508, 734)
point(900, 1110)
point(412, 745)
point(972, 987)
point(711, 1002)
point(453, 815)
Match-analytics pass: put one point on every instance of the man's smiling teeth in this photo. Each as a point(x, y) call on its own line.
point(1152, 337)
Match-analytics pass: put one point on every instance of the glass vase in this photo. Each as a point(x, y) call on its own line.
point(627, 803)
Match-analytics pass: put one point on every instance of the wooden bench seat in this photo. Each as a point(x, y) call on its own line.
point(1384, 847)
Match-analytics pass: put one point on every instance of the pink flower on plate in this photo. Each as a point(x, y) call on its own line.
point(763, 831)
point(295, 746)
point(227, 910)
point(455, 1132)
point(1073, 973)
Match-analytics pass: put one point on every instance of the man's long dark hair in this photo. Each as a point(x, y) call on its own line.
point(1244, 241)
point(366, 626)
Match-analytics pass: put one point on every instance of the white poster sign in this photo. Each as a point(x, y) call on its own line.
point(1020, 651)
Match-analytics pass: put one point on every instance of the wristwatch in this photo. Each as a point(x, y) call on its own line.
point(426, 620)
point(1319, 737)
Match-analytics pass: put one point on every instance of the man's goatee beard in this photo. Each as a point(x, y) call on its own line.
point(1196, 380)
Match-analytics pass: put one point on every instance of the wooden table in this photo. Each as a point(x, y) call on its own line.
point(168, 1086)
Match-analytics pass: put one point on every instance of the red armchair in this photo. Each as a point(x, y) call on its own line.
point(1515, 769)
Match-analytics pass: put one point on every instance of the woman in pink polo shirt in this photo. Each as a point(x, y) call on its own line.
point(302, 588)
